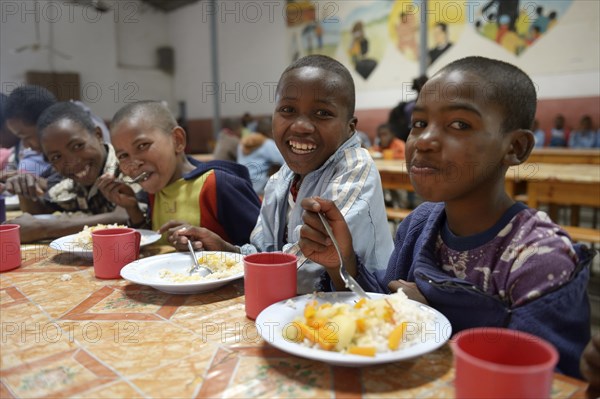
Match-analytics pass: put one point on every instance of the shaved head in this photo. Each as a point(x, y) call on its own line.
point(153, 111)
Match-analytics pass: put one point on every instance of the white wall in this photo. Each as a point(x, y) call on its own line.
point(252, 37)
point(252, 55)
point(90, 38)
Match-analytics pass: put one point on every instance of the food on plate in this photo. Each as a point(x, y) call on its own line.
point(84, 237)
point(367, 327)
point(222, 264)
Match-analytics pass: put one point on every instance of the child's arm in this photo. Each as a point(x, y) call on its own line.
point(410, 289)
point(121, 195)
point(590, 365)
point(178, 234)
point(30, 189)
point(316, 245)
point(34, 229)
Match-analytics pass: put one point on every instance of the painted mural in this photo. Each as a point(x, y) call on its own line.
point(377, 39)
point(516, 25)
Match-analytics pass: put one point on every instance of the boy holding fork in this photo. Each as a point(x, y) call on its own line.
point(471, 251)
point(314, 128)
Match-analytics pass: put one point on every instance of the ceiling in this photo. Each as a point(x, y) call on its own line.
point(169, 5)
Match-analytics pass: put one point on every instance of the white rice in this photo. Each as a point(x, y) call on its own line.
point(222, 266)
point(379, 326)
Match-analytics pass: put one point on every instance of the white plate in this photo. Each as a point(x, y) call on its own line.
point(12, 202)
point(146, 272)
point(68, 243)
point(271, 322)
point(45, 216)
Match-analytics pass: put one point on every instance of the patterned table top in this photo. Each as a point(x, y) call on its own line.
point(66, 333)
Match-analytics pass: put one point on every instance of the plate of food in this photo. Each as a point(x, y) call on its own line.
point(81, 243)
point(340, 328)
point(170, 272)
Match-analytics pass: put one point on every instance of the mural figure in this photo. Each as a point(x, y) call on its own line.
point(359, 47)
point(441, 41)
point(407, 30)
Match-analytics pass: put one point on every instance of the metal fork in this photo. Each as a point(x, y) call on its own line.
point(349, 281)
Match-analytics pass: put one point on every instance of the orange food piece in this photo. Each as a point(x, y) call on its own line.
point(360, 303)
point(396, 336)
point(362, 350)
point(361, 325)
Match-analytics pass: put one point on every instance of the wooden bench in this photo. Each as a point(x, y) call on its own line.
point(584, 234)
point(396, 215)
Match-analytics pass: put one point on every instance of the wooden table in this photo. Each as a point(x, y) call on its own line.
point(66, 333)
point(577, 184)
point(565, 156)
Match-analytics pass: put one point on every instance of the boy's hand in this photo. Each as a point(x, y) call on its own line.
point(31, 228)
point(178, 234)
point(314, 242)
point(26, 185)
point(117, 192)
point(410, 289)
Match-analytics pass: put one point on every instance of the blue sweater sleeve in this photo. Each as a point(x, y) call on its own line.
point(238, 206)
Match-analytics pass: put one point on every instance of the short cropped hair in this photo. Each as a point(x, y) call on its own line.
point(331, 65)
point(155, 111)
point(509, 87)
point(28, 102)
point(65, 110)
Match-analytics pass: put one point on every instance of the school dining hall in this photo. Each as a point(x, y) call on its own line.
point(300, 199)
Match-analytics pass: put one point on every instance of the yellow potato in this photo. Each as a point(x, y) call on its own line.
point(346, 327)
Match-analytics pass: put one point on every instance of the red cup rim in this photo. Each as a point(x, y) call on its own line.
point(520, 369)
point(291, 258)
point(9, 227)
point(114, 231)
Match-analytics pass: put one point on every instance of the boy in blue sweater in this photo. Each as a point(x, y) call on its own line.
point(472, 252)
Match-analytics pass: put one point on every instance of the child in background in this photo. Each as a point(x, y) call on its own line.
point(30, 172)
point(8, 141)
point(390, 146)
point(217, 195)
point(539, 135)
point(314, 128)
point(33, 174)
point(259, 153)
point(74, 146)
point(473, 253)
point(558, 133)
point(585, 136)
point(228, 141)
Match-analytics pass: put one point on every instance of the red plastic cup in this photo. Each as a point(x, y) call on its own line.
point(10, 247)
point(113, 249)
point(269, 277)
point(501, 363)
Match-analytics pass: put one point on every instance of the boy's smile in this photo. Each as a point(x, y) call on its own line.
point(311, 117)
point(141, 146)
point(73, 151)
point(456, 147)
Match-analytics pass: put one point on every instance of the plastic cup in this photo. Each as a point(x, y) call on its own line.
point(10, 247)
point(502, 363)
point(269, 277)
point(113, 249)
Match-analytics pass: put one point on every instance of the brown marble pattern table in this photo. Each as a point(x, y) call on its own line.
point(67, 334)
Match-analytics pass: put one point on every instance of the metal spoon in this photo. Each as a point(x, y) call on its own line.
point(139, 178)
point(202, 270)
